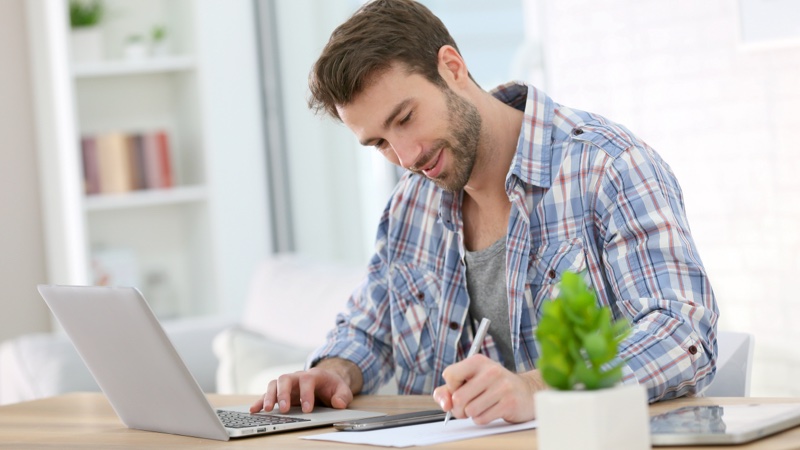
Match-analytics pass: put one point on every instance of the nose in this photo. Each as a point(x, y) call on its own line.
point(405, 152)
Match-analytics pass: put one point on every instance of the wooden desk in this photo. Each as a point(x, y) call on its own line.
point(85, 420)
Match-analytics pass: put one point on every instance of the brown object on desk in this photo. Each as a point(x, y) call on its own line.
point(87, 420)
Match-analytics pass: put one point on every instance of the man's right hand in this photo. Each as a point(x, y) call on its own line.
point(333, 382)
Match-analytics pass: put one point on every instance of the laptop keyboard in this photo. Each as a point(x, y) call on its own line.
point(233, 419)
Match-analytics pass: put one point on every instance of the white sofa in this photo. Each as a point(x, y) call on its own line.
point(291, 304)
point(44, 364)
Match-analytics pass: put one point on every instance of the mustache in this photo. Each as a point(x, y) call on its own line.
point(425, 159)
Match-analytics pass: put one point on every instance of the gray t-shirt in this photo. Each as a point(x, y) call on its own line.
point(486, 284)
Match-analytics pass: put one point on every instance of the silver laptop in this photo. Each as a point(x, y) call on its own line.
point(144, 378)
point(722, 424)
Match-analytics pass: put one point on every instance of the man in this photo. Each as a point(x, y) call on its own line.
point(505, 191)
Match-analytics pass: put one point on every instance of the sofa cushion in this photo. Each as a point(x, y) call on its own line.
point(45, 364)
point(295, 300)
point(248, 360)
point(292, 304)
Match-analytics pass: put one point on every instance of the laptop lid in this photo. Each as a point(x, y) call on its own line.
point(722, 424)
point(140, 372)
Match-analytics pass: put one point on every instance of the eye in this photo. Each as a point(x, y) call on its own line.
point(407, 117)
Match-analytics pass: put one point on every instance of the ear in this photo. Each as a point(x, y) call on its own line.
point(452, 66)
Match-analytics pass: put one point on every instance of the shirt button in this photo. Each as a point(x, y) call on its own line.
point(420, 296)
point(692, 350)
point(577, 132)
point(453, 326)
point(551, 274)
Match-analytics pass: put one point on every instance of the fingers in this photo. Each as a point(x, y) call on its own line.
point(469, 399)
point(481, 389)
point(303, 388)
point(494, 411)
point(443, 397)
point(257, 406)
point(457, 374)
point(331, 389)
point(307, 385)
point(267, 401)
point(342, 396)
point(288, 386)
point(506, 399)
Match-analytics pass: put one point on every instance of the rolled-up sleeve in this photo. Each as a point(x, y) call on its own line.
point(656, 275)
point(363, 333)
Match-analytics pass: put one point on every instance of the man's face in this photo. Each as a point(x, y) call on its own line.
point(417, 125)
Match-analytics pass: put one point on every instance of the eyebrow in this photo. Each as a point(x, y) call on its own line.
point(397, 109)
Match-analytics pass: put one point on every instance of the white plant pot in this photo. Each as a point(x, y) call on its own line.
point(135, 51)
point(607, 419)
point(159, 49)
point(86, 44)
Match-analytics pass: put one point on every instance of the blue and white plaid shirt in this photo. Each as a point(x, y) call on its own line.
point(586, 196)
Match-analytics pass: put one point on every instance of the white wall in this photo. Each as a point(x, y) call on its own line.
point(22, 263)
point(725, 118)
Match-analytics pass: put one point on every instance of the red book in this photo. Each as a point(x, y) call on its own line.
point(165, 163)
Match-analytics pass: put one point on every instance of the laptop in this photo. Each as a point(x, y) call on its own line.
point(148, 385)
point(722, 424)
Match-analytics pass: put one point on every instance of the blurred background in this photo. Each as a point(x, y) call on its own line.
point(204, 105)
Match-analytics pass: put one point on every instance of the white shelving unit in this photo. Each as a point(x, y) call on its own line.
point(190, 248)
point(123, 67)
point(150, 197)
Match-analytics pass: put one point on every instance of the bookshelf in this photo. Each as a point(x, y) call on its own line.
point(122, 67)
point(191, 246)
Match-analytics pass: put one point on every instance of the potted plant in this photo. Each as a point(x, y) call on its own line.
point(135, 48)
point(158, 41)
point(587, 407)
point(86, 38)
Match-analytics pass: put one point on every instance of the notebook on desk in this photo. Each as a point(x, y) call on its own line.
point(148, 385)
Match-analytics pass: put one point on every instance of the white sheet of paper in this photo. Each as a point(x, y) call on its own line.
point(423, 434)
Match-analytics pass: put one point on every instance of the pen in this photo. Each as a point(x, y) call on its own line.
point(474, 348)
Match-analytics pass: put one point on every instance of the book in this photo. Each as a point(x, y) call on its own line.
point(137, 166)
point(119, 162)
point(164, 159)
point(153, 177)
point(113, 150)
point(91, 175)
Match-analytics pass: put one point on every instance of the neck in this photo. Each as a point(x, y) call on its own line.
point(498, 145)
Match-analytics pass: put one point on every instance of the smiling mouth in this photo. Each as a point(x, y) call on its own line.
point(431, 163)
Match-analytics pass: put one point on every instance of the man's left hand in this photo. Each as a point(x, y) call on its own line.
point(484, 390)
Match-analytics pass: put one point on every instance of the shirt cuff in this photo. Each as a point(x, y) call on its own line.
point(356, 353)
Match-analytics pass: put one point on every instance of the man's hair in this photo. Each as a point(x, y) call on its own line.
point(380, 33)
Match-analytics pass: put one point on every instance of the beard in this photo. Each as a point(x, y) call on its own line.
point(464, 125)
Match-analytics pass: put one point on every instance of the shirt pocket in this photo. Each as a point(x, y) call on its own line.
point(414, 295)
point(548, 264)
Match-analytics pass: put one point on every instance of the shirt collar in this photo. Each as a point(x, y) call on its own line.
point(531, 163)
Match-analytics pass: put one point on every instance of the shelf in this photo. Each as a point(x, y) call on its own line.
point(204, 237)
point(123, 67)
point(145, 198)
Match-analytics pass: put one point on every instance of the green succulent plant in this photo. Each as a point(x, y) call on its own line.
point(578, 341)
point(158, 33)
point(85, 13)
